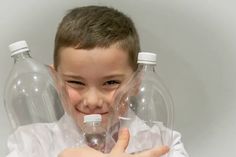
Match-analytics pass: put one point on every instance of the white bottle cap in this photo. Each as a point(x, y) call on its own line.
point(18, 47)
point(92, 118)
point(147, 58)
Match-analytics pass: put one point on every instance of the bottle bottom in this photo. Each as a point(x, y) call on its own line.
point(96, 141)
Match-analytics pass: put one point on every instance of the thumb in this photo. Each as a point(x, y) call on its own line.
point(123, 141)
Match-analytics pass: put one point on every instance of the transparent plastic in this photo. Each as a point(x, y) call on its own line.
point(31, 92)
point(34, 96)
point(95, 135)
point(144, 105)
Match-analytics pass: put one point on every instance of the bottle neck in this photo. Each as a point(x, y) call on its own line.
point(147, 67)
point(93, 123)
point(21, 56)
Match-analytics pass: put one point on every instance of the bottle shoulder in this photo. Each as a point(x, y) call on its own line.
point(93, 128)
point(27, 66)
point(25, 72)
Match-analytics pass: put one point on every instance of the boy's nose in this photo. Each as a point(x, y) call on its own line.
point(93, 99)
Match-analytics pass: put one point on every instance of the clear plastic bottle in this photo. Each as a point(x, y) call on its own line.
point(32, 93)
point(144, 105)
point(94, 133)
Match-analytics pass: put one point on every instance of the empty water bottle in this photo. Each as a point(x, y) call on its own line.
point(144, 105)
point(31, 92)
point(94, 133)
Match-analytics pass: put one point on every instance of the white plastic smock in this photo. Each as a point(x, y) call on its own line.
point(36, 140)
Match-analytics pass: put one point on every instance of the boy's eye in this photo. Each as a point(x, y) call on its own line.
point(112, 83)
point(74, 83)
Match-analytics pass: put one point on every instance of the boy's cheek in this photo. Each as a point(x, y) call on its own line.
point(73, 96)
point(111, 97)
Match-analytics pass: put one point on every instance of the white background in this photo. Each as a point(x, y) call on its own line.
point(195, 43)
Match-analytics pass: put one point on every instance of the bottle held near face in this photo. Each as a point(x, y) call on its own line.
point(33, 91)
point(95, 135)
point(144, 105)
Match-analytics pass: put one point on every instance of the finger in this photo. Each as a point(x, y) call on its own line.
point(52, 66)
point(123, 141)
point(155, 152)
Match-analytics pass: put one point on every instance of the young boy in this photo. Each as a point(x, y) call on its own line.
point(95, 51)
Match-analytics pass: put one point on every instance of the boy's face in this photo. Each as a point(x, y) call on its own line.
point(92, 77)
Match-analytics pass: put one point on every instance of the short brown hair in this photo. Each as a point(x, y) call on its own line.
point(97, 26)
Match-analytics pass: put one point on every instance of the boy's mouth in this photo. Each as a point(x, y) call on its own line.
point(88, 113)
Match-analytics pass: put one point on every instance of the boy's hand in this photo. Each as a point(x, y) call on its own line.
point(122, 143)
point(117, 151)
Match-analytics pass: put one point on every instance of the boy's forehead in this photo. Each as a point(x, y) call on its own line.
point(97, 57)
point(95, 53)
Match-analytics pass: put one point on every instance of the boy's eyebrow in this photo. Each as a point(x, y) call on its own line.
point(105, 77)
point(72, 76)
point(113, 76)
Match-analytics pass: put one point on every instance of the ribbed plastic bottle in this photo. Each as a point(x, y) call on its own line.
point(144, 105)
point(32, 91)
point(94, 133)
